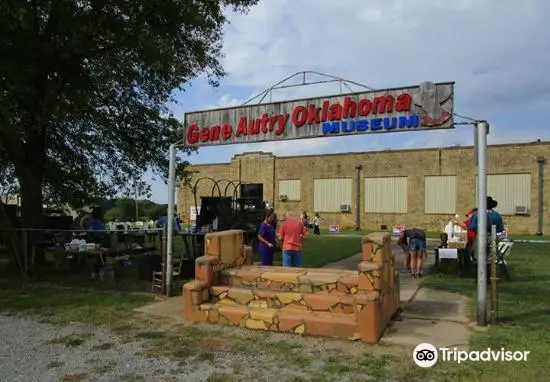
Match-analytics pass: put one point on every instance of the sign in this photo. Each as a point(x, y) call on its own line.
point(334, 228)
point(425, 107)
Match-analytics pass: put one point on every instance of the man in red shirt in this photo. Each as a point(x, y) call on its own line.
point(471, 235)
point(292, 233)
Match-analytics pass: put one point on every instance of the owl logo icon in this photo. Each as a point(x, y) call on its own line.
point(425, 355)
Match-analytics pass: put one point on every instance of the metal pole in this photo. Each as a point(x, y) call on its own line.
point(482, 131)
point(494, 278)
point(170, 217)
point(136, 201)
point(358, 199)
point(540, 222)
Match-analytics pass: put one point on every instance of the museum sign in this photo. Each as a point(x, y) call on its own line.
point(425, 107)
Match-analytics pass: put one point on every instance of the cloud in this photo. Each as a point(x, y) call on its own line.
point(398, 42)
point(225, 101)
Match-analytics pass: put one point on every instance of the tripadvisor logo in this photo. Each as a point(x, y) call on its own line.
point(427, 355)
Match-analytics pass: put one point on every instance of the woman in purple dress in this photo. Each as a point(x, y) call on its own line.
point(267, 238)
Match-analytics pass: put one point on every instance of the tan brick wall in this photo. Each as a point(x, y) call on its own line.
point(268, 169)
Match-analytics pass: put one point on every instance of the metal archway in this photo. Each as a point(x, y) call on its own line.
point(235, 191)
point(216, 185)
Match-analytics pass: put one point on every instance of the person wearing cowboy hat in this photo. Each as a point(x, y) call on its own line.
point(493, 217)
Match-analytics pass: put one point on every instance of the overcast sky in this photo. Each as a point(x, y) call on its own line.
point(497, 51)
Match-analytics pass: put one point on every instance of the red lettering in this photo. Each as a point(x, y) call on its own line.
point(227, 129)
point(192, 135)
point(204, 134)
point(215, 132)
point(350, 107)
point(299, 116)
point(403, 103)
point(272, 121)
point(382, 104)
point(282, 119)
point(253, 126)
point(324, 111)
point(263, 123)
point(335, 112)
point(365, 106)
point(313, 115)
point(241, 129)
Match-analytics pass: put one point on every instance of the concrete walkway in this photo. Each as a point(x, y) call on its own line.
point(436, 317)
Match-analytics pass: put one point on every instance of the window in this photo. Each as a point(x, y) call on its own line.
point(290, 188)
point(386, 195)
point(440, 194)
point(330, 194)
point(509, 190)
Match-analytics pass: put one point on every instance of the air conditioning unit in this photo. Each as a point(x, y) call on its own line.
point(283, 198)
point(521, 210)
point(345, 208)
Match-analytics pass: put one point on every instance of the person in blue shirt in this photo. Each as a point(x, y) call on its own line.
point(493, 217)
point(95, 223)
point(161, 223)
point(97, 232)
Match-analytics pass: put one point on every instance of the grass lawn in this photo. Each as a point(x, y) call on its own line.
point(524, 308)
point(325, 249)
point(322, 250)
point(523, 325)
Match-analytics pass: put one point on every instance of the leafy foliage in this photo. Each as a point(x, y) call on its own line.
point(84, 86)
point(125, 210)
point(8, 181)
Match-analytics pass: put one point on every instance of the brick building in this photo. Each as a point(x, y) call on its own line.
point(420, 187)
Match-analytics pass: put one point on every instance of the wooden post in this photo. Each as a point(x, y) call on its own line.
point(494, 278)
point(163, 252)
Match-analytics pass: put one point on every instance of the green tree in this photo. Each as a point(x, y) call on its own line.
point(84, 87)
point(158, 211)
point(8, 182)
point(123, 210)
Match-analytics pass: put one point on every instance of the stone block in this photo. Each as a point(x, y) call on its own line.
point(317, 325)
point(289, 322)
point(234, 313)
point(289, 297)
point(226, 245)
point(370, 323)
point(281, 277)
point(321, 301)
point(266, 314)
point(255, 324)
point(240, 295)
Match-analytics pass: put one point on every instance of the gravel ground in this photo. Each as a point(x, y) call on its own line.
point(35, 351)
point(31, 350)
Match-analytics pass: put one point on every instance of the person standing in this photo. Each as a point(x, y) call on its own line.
point(292, 234)
point(470, 235)
point(316, 224)
point(493, 218)
point(413, 242)
point(267, 238)
point(163, 221)
point(305, 219)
